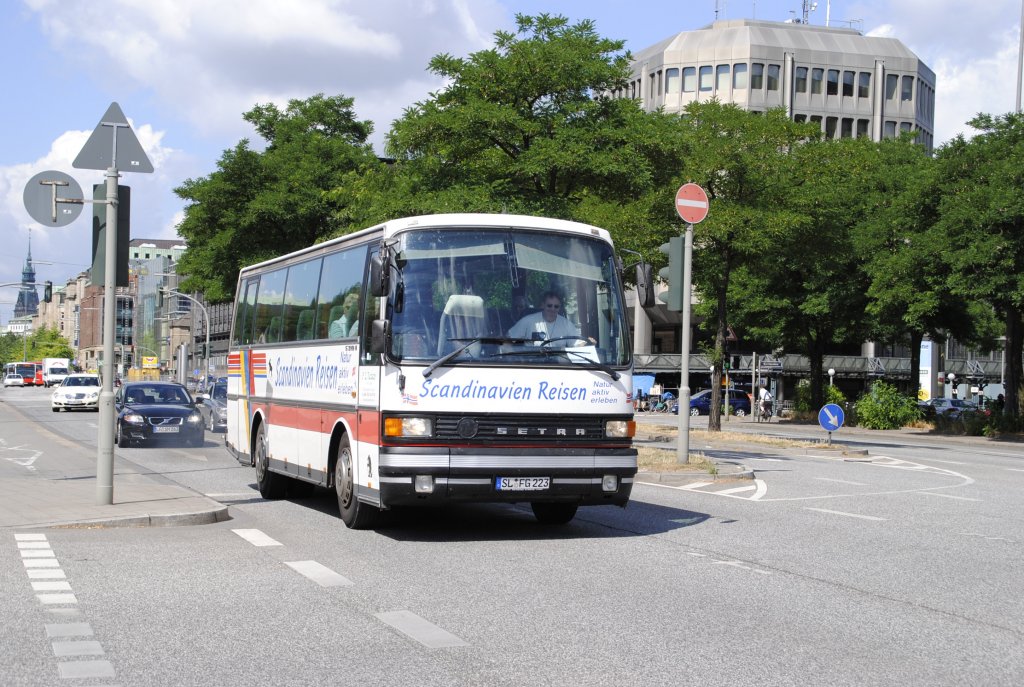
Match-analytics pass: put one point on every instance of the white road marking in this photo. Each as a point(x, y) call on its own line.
point(1015, 469)
point(235, 495)
point(736, 490)
point(849, 515)
point(84, 669)
point(78, 647)
point(256, 538)
point(41, 563)
point(57, 598)
point(695, 485)
point(321, 574)
point(948, 496)
point(841, 481)
point(422, 631)
point(45, 574)
point(68, 630)
point(38, 553)
point(51, 586)
point(23, 545)
point(947, 462)
point(30, 537)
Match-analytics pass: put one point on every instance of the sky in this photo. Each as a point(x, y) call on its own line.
point(184, 71)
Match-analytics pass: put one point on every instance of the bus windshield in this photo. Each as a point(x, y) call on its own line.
point(509, 297)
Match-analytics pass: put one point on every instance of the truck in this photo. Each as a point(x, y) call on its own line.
point(55, 370)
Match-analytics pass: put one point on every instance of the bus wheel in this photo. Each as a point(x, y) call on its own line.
point(549, 513)
point(354, 514)
point(272, 486)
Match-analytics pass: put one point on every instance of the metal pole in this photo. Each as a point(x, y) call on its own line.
point(1020, 54)
point(683, 443)
point(105, 439)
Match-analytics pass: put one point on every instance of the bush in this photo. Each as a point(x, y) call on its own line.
point(803, 397)
point(884, 407)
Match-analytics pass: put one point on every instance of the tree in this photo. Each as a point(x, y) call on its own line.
point(259, 205)
point(739, 158)
point(529, 126)
point(981, 216)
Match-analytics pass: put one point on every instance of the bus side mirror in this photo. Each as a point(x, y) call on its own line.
point(645, 285)
point(378, 276)
point(378, 336)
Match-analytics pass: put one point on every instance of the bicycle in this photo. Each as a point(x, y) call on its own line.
point(764, 413)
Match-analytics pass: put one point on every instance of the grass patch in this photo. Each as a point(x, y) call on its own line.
point(663, 460)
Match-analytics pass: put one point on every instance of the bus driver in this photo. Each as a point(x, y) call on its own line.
point(546, 324)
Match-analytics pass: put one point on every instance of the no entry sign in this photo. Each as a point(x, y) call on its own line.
point(691, 203)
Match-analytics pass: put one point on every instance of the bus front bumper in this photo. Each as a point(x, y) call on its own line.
point(415, 475)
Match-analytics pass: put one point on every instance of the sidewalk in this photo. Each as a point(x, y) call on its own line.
point(139, 501)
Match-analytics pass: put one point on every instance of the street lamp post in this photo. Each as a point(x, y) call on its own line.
point(951, 378)
point(206, 316)
point(831, 376)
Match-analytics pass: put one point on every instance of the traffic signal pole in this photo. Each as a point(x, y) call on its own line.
point(105, 438)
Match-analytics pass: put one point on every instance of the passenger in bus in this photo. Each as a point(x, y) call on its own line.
point(546, 324)
point(348, 323)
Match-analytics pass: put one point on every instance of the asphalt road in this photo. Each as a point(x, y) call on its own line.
point(900, 567)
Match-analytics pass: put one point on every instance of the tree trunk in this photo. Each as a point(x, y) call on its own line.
point(715, 412)
point(1014, 363)
point(816, 356)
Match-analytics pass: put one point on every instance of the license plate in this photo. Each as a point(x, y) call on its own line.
point(164, 430)
point(522, 483)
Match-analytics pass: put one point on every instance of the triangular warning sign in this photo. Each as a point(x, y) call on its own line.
point(99, 151)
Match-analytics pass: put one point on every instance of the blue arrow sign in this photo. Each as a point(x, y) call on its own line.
point(831, 417)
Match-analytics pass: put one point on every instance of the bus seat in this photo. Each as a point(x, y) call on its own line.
point(464, 316)
point(304, 326)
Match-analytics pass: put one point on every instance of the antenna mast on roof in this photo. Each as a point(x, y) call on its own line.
point(719, 7)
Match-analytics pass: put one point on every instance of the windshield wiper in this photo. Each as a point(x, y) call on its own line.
point(429, 370)
point(566, 353)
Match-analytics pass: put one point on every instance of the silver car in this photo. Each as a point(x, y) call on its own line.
point(77, 392)
point(213, 404)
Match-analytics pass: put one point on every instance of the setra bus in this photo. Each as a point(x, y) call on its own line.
point(437, 359)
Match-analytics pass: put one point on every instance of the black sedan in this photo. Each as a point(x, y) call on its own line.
point(148, 411)
point(213, 404)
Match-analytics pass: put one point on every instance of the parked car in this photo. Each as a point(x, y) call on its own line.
point(76, 392)
point(13, 379)
point(213, 404)
point(149, 411)
point(947, 407)
point(700, 403)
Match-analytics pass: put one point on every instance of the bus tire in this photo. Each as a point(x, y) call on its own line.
point(355, 515)
point(553, 513)
point(272, 485)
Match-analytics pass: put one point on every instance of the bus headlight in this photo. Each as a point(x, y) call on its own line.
point(609, 483)
point(619, 429)
point(408, 427)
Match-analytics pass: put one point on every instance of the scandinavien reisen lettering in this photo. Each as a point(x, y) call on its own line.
point(318, 373)
point(474, 389)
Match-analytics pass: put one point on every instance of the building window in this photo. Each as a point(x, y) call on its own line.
point(801, 80)
point(907, 94)
point(817, 76)
point(830, 126)
point(904, 127)
point(890, 129)
point(652, 92)
point(816, 119)
point(848, 78)
point(773, 77)
point(756, 76)
point(833, 82)
point(847, 130)
point(800, 118)
point(689, 79)
point(739, 76)
point(672, 80)
point(862, 128)
point(891, 82)
point(706, 83)
point(722, 77)
point(864, 85)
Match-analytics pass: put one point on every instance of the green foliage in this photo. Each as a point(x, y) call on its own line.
point(263, 204)
point(41, 343)
point(803, 402)
point(884, 407)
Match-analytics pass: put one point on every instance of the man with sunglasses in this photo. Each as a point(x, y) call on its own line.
point(546, 324)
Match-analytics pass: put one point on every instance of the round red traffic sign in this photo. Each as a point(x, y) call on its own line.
point(691, 203)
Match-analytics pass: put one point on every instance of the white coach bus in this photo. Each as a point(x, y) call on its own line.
point(427, 360)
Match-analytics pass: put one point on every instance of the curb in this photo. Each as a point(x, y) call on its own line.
point(203, 517)
point(726, 472)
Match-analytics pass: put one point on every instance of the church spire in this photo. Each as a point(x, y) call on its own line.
point(28, 298)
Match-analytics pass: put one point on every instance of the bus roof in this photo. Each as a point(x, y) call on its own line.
point(468, 219)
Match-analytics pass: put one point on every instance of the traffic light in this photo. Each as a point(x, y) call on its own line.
point(47, 291)
point(673, 274)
